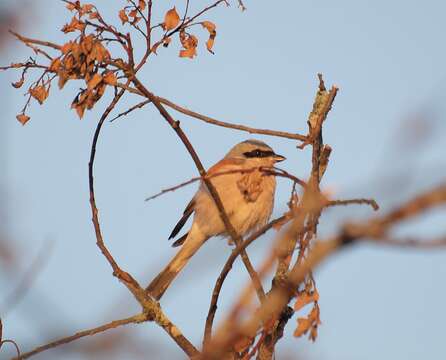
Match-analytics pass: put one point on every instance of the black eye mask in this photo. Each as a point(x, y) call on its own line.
point(257, 153)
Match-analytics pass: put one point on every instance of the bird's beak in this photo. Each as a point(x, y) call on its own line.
point(279, 158)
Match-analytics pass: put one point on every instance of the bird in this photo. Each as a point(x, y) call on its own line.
point(247, 194)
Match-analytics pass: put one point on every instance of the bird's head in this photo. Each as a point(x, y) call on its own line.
point(255, 153)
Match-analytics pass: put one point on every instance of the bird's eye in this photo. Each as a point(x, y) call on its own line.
point(258, 153)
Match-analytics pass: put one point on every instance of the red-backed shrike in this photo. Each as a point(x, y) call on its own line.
point(247, 197)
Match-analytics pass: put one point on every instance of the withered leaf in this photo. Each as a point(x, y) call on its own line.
point(66, 48)
point(79, 103)
point(63, 78)
point(74, 25)
point(55, 65)
point(189, 43)
point(71, 6)
point(306, 298)
point(80, 109)
point(189, 53)
point(123, 16)
point(110, 78)
point(303, 325)
point(22, 118)
point(142, 5)
point(94, 81)
point(313, 333)
point(171, 19)
point(87, 8)
point(18, 84)
point(39, 93)
point(210, 26)
point(133, 13)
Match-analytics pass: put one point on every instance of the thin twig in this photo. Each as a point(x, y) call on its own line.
point(265, 170)
point(213, 121)
point(136, 319)
point(35, 41)
point(370, 202)
point(137, 106)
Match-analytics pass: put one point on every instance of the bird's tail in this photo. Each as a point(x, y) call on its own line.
point(162, 281)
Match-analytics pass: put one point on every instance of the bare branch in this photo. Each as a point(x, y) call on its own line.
point(213, 121)
point(27, 40)
point(136, 319)
point(370, 202)
point(137, 106)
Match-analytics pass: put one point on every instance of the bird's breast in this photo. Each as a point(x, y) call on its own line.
point(248, 199)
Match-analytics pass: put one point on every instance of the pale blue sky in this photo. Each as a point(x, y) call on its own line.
point(388, 60)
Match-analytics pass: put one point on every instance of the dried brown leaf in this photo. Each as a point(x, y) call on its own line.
point(19, 83)
point(189, 43)
point(80, 109)
point(142, 5)
point(171, 19)
point(74, 25)
point(39, 93)
point(22, 118)
point(87, 8)
point(66, 48)
point(210, 26)
point(133, 13)
point(110, 78)
point(306, 298)
point(189, 53)
point(71, 6)
point(123, 16)
point(94, 81)
point(55, 65)
point(303, 325)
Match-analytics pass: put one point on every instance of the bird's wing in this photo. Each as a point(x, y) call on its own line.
point(186, 214)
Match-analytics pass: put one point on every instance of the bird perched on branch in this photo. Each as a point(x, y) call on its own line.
point(247, 194)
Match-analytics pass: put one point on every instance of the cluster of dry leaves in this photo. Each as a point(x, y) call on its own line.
point(86, 56)
point(188, 41)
